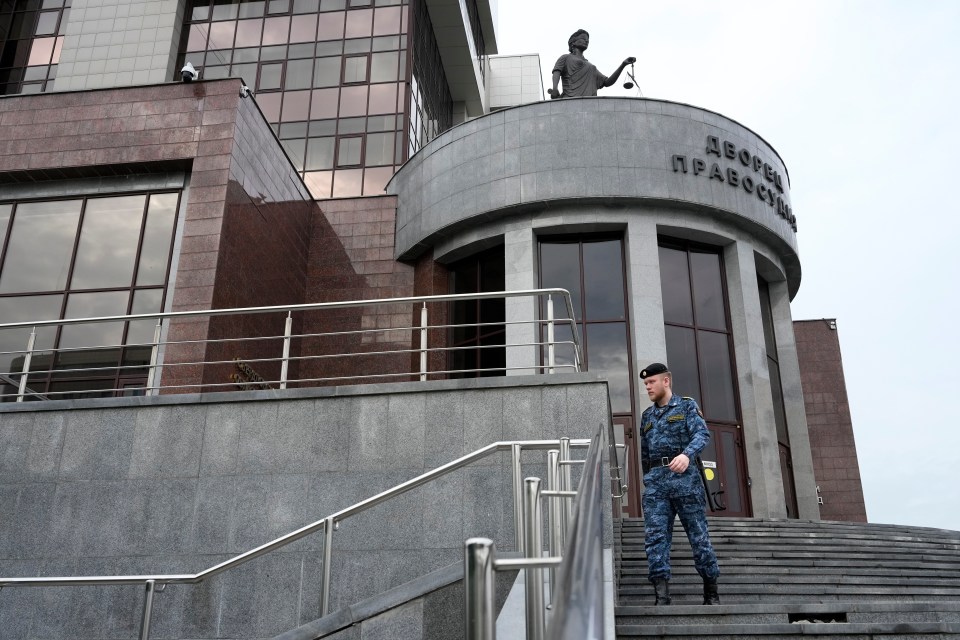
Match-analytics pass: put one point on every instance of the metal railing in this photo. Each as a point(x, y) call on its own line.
point(278, 352)
point(329, 524)
point(575, 527)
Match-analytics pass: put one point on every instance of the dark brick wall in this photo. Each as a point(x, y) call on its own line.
point(248, 214)
point(351, 258)
point(835, 464)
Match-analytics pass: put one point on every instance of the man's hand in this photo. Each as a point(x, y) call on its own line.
point(679, 464)
point(554, 94)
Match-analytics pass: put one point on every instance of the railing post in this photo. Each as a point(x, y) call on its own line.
point(285, 363)
point(566, 483)
point(533, 539)
point(147, 610)
point(327, 559)
point(517, 495)
point(551, 347)
point(554, 535)
point(423, 342)
point(478, 588)
point(154, 353)
point(26, 364)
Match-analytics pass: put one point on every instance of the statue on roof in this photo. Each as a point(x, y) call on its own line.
point(580, 77)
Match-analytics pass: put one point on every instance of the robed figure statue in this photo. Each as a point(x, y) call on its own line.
point(580, 77)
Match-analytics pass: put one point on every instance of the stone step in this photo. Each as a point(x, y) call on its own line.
point(824, 579)
point(802, 591)
point(681, 550)
point(765, 564)
point(781, 613)
point(847, 631)
point(835, 541)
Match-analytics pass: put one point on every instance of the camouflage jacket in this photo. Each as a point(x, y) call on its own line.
point(677, 427)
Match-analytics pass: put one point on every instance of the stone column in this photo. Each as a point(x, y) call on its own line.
point(796, 415)
point(753, 377)
point(519, 273)
point(646, 301)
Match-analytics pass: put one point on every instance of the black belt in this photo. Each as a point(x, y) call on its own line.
point(662, 461)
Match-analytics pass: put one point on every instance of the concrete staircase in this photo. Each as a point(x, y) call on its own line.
point(790, 578)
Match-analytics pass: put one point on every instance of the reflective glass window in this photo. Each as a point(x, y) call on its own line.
point(322, 127)
point(303, 28)
point(560, 267)
point(92, 305)
point(269, 104)
point(296, 105)
point(675, 286)
point(607, 354)
point(707, 290)
point(248, 33)
point(157, 238)
point(47, 23)
point(351, 125)
point(319, 183)
point(355, 69)
point(379, 149)
point(375, 179)
point(221, 34)
point(41, 51)
point(324, 104)
point(330, 26)
point(717, 381)
point(682, 356)
point(348, 183)
point(306, 6)
point(270, 75)
point(349, 151)
point(299, 74)
point(25, 309)
point(359, 24)
point(295, 150)
point(353, 101)
point(326, 72)
point(250, 9)
point(603, 280)
point(383, 98)
point(384, 66)
point(108, 242)
point(5, 210)
point(332, 5)
point(320, 153)
point(276, 30)
point(40, 246)
point(386, 21)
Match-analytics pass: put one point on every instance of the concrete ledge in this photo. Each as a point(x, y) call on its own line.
point(223, 397)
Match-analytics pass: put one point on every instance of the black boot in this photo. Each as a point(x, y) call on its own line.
point(662, 589)
point(710, 593)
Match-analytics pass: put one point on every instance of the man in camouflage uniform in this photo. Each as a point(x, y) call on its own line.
point(673, 433)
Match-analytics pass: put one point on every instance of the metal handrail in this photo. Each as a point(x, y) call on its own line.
point(328, 524)
point(311, 306)
point(576, 576)
point(158, 363)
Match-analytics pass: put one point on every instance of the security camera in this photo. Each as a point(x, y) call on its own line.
point(189, 73)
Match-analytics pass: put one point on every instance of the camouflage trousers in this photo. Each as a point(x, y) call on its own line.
point(658, 516)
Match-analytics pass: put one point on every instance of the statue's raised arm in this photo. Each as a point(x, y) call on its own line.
point(580, 78)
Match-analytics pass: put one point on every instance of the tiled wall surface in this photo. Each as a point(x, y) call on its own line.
point(110, 43)
point(828, 419)
point(514, 80)
point(179, 484)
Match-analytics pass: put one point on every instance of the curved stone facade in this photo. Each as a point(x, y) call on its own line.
point(618, 151)
point(648, 172)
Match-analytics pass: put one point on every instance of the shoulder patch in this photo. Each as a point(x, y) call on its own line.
point(699, 412)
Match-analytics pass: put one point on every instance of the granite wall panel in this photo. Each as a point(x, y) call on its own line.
point(835, 463)
point(243, 469)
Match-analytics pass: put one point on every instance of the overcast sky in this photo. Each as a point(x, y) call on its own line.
point(861, 100)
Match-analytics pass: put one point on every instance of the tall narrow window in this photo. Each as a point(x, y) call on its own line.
point(591, 269)
point(478, 343)
point(700, 355)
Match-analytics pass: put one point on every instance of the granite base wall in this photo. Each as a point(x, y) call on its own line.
point(176, 484)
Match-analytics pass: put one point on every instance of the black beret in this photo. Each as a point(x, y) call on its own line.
point(653, 369)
